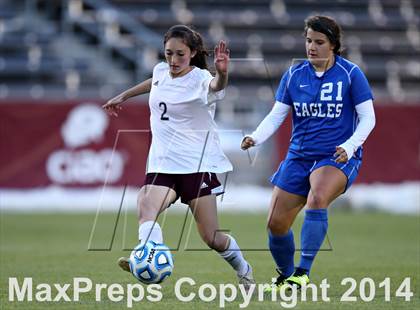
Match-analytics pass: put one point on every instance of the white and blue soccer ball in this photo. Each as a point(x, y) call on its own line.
point(151, 262)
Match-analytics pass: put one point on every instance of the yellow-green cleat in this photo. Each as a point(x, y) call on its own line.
point(298, 280)
point(277, 284)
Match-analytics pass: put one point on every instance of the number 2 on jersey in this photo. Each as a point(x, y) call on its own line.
point(163, 107)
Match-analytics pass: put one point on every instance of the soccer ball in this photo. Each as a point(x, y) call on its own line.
point(151, 262)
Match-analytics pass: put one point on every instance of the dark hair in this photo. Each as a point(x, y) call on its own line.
point(193, 40)
point(328, 26)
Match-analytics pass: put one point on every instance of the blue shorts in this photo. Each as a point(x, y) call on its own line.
point(293, 173)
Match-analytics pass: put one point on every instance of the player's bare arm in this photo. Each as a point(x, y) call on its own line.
point(221, 62)
point(113, 106)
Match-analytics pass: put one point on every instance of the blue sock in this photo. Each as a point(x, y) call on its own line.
point(314, 230)
point(283, 250)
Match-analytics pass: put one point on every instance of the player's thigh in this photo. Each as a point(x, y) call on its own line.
point(153, 199)
point(327, 183)
point(204, 210)
point(284, 207)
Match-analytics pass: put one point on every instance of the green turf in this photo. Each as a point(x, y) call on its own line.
point(53, 248)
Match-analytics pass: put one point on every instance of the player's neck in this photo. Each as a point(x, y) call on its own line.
point(323, 67)
point(182, 73)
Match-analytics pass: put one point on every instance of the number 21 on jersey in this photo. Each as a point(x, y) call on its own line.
point(327, 90)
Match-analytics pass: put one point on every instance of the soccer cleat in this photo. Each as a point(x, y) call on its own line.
point(124, 264)
point(247, 280)
point(276, 285)
point(298, 278)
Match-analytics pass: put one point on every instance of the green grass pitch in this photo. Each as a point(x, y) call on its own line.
point(53, 248)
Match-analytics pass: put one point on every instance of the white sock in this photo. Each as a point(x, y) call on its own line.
point(233, 256)
point(150, 231)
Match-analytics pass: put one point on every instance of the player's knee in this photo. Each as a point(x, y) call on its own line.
point(317, 201)
point(278, 226)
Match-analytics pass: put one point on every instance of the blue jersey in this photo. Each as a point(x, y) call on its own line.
point(324, 114)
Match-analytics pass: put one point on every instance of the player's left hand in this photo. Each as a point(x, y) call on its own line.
point(340, 155)
point(221, 57)
point(247, 142)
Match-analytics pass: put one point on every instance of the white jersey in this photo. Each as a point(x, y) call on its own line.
point(184, 137)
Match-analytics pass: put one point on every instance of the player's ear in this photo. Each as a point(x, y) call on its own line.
point(193, 53)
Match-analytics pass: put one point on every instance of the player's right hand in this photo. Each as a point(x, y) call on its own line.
point(247, 142)
point(113, 106)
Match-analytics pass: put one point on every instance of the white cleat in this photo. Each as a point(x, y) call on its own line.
point(247, 280)
point(124, 264)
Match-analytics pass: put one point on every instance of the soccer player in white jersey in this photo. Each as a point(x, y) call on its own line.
point(185, 153)
point(332, 110)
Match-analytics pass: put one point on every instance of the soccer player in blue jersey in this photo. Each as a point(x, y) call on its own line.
point(332, 106)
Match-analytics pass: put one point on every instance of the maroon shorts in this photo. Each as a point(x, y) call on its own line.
point(187, 186)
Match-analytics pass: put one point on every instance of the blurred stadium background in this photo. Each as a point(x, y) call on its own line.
point(60, 60)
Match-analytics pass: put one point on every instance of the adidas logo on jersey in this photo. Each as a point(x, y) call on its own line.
point(204, 185)
point(156, 83)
